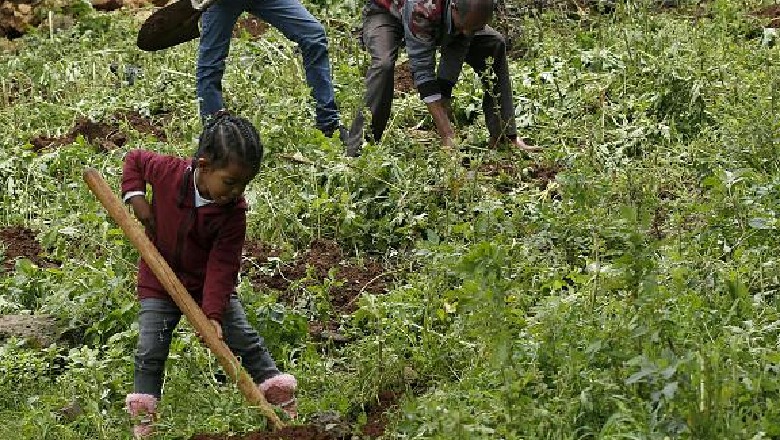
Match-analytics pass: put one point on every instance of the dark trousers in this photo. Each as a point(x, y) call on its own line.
point(295, 22)
point(383, 37)
point(157, 320)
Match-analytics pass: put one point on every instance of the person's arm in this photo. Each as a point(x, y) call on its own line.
point(420, 36)
point(142, 167)
point(223, 266)
point(442, 115)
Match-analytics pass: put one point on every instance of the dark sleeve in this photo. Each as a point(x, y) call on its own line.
point(420, 35)
point(223, 265)
point(142, 167)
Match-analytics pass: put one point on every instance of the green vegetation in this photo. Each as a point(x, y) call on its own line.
point(633, 296)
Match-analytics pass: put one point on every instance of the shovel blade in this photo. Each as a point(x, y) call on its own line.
point(174, 24)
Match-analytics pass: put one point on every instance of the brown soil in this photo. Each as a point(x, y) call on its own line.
point(772, 12)
point(327, 331)
point(20, 242)
point(404, 81)
point(499, 168)
point(105, 135)
point(290, 432)
point(543, 174)
point(321, 257)
point(377, 419)
point(657, 226)
point(378, 414)
point(252, 26)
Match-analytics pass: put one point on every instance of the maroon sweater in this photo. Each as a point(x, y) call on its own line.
point(202, 245)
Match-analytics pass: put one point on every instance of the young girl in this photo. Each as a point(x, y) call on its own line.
point(197, 220)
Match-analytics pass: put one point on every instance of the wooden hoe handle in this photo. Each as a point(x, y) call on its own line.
point(179, 294)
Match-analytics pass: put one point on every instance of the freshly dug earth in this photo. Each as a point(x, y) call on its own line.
point(322, 256)
point(290, 432)
point(20, 242)
point(404, 82)
point(105, 135)
point(539, 173)
point(376, 424)
point(253, 26)
point(772, 12)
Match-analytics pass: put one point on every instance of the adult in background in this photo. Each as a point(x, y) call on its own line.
point(458, 29)
point(296, 23)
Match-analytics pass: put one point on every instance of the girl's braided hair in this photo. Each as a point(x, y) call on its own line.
point(226, 137)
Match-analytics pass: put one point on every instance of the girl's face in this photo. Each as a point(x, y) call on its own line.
point(225, 184)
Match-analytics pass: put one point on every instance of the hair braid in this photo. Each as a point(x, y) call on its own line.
point(226, 137)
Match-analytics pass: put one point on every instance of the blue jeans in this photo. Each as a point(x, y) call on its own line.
point(157, 320)
point(295, 22)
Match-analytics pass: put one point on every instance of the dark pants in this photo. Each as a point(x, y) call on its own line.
point(295, 22)
point(157, 320)
point(383, 37)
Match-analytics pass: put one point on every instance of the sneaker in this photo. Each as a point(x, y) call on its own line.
point(143, 409)
point(280, 391)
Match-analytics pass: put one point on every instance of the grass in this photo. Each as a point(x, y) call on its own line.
point(634, 296)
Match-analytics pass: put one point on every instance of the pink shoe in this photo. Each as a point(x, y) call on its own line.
point(142, 408)
point(280, 391)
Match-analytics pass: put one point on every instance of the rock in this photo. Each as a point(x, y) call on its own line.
point(38, 330)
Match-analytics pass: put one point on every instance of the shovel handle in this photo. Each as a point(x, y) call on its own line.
point(176, 290)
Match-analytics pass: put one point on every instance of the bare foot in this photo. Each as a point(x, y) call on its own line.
point(515, 144)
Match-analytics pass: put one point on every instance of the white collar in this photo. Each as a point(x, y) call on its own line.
point(199, 199)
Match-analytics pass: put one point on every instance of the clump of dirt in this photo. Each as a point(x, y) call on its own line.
point(327, 331)
point(105, 135)
point(544, 173)
point(290, 432)
point(376, 424)
point(322, 257)
point(20, 242)
point(657, 226)
point(772, 12)
point(377, 414)
point(499, 168)
point(404, 81)
point(252, 26)
point(143, 125)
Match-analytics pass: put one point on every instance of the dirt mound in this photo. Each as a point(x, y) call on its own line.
point(404, 81)
point(105, 135)
point(544, 173)
point(508, 172)
point(16, 16)
point(313, 267)
point(20, 242)
point(252, 26)
point(326, 427)
point(289, 432)
point(377, 414)
point(772, 12)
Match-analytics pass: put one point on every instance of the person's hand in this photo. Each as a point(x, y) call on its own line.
point(143, 212)
point(217, 329)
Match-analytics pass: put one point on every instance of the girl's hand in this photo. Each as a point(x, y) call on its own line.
point(143, 212)
point(217, 329)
